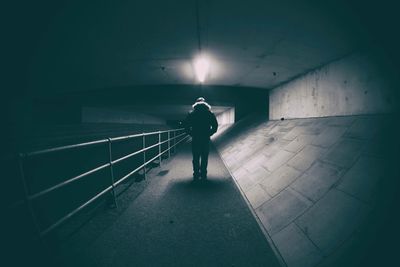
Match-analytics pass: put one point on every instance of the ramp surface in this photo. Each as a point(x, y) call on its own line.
point(176, 222)
point(321, 187)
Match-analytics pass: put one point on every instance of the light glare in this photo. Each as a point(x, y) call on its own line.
point(201, 68)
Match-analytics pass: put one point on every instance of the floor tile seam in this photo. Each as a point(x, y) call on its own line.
point(291, 221)
point(345, 169)
point(337, 168)
point(299, 175)
point(334, 186)
point(269, 195)
point(251, 188)
point(340, 244)
point(311, 241)
point(308, 208)
point(369, 204)
point(309, 167)
point(325, 160)
point(333, 144)
point(294, 154)
point(311, 200)
point(303, 212)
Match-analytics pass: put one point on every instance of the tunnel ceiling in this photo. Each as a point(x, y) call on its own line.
point(85, 45)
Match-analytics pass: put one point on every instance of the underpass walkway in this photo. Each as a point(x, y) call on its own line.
point(177, 222)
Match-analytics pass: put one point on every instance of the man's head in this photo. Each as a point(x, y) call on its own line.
point(200, 99)
point(201, 103)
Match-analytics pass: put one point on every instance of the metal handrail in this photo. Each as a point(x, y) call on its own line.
point(30, 197)
point(80, 176)
point(60, 148)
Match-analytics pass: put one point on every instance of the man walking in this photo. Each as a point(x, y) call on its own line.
point(200, 124)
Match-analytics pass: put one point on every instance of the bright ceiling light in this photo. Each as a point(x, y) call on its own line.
point(201, 67)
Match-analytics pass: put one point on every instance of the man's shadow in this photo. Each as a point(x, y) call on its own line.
point(206, 186)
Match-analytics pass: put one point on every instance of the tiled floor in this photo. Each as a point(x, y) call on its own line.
point(311, 182)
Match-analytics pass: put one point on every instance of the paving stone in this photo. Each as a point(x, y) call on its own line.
point(281, 210)
point(239, 160)
point(287, 122)
point(303, 160)
point(235, 150)
point(322, 121)
point(296, 131)
point(270, 151)
point(296, 249)
point(317, 180)
point(260, 175)
point(245, 150)
point(313, 129)
point(246, 182)
point(274, 130)
point(257, 196)
point(230, 158)
point(270, 124)
point(277, 160)
point(363, 128)
point(332, 220)
point(229, 162)
point(305, 122)
point(240, 173)
point(281, 143)
point(329, 136)
point(345, 153)
point(258, 142)
point(285, 129)
point(254, 163)
point(280, 179)
point(361, 180)
point(299, 142)
point(275, 140)
point(270, 140)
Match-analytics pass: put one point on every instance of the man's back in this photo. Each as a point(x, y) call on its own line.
point(201, 122)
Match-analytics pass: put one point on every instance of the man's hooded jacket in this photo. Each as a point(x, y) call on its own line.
point(201, 122)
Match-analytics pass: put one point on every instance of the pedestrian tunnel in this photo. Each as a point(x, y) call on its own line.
point(96, 163)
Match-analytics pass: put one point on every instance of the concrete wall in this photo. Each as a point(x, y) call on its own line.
point(353, 85)
point(103, 115)
point(226, 117)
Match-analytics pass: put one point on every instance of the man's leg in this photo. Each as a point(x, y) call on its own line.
point(196, 159)
point(204, 158)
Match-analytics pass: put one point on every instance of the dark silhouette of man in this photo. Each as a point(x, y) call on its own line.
point(200, 124)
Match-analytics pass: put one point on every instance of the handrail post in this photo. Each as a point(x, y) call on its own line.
point(159, 148)
point(112, 173)
point(169, 144)
point(174, 141)
point(27, 201)
point(144, 155)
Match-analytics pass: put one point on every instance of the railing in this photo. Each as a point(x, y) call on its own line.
point(174, 137)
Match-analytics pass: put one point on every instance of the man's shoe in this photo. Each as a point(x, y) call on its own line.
point(196, 176)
